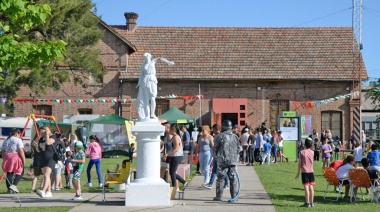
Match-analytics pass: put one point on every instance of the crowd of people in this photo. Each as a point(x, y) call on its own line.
point(53, 154)
point(311, 148)
point(219, 149)
point(210, 150)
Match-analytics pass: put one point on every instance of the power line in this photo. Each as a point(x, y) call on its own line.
point(143, 18)
point(324, 16)
point(371, 10)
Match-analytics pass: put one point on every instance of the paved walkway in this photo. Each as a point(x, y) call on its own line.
point(253, 197)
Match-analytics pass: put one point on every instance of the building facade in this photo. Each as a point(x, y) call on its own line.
point(247, 75)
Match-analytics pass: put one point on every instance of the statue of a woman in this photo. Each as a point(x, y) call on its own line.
point(147, 85)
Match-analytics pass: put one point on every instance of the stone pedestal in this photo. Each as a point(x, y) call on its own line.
point(148, 189)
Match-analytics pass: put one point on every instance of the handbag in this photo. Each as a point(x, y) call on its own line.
point(195, 159)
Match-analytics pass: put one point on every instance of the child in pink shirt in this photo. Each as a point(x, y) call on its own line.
point(94, 150)
point(306, 165)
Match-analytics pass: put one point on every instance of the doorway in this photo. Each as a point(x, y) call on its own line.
point(233, 117)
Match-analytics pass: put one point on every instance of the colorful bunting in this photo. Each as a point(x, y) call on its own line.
point(311, 104)
point(123, 100)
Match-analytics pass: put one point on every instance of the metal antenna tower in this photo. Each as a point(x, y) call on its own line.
point(357, 8)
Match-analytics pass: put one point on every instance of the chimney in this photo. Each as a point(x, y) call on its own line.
point(131, 19)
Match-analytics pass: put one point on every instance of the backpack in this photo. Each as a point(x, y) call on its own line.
point(59, 151)
point(257, 155)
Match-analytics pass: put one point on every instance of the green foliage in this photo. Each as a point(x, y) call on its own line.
point(16, 18)
point(51, 39)
point(73, 22)
point(374, 94)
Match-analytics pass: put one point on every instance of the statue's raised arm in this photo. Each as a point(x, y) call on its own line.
point(170, 63)
point(147, 84)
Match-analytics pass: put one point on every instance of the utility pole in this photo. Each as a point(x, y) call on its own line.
point(357, 8)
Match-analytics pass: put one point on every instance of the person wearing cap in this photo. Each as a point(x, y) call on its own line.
point(244, 143)
point(78, 164)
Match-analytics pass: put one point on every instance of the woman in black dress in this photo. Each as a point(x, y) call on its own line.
point(47, 162)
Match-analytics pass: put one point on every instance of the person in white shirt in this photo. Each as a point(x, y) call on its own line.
point(364, 140)
point(342, 174)
point(358, 153)
point(244, 143)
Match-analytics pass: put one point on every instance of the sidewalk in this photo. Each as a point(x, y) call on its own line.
point(253, 197)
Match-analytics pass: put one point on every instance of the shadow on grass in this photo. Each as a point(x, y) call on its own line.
point(317, 200)
point(298, 189)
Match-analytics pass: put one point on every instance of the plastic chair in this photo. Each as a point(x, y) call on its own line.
point(360, 179)
point(332, 179)
point(121, 179)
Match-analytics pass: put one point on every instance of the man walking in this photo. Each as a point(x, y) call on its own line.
point(226, 150)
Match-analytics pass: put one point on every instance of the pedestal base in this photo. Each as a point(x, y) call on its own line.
point(141, 193)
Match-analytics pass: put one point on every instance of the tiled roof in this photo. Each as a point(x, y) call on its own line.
point(244, 53)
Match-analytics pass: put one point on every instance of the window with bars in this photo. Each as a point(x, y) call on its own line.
point(332, 120)
point(162, 106)
point(84, 111)
point(43, 110)
point(276, 108)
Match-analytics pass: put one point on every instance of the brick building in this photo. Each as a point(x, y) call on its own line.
point(248, 75)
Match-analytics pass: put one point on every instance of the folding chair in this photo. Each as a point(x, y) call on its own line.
point(332, 179)
point(118, 178)
point(360, 179)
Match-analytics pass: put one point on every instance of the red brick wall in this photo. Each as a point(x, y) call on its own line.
point(258, 101)
point(113, 57)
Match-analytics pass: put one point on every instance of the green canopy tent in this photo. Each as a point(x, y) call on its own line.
point(111, 131)
point(65, 128)
point(176, 116)
point(109, 119)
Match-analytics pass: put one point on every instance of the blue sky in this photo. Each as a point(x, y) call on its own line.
point(252, 13)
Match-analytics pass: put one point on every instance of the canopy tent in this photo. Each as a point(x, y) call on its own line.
point(109, 119)
point(176, 116)
point(111, 131)
point(65, 128)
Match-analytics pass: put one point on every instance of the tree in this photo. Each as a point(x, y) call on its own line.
point(48, 27)
point(17, 18)
point(374, 93)
point(73, 22)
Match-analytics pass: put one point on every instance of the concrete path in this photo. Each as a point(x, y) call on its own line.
point(253, 197)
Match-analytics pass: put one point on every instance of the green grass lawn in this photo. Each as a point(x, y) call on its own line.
point(107, 163)
point(287, 193)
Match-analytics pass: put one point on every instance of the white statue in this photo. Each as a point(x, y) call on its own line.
point(147, 84)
